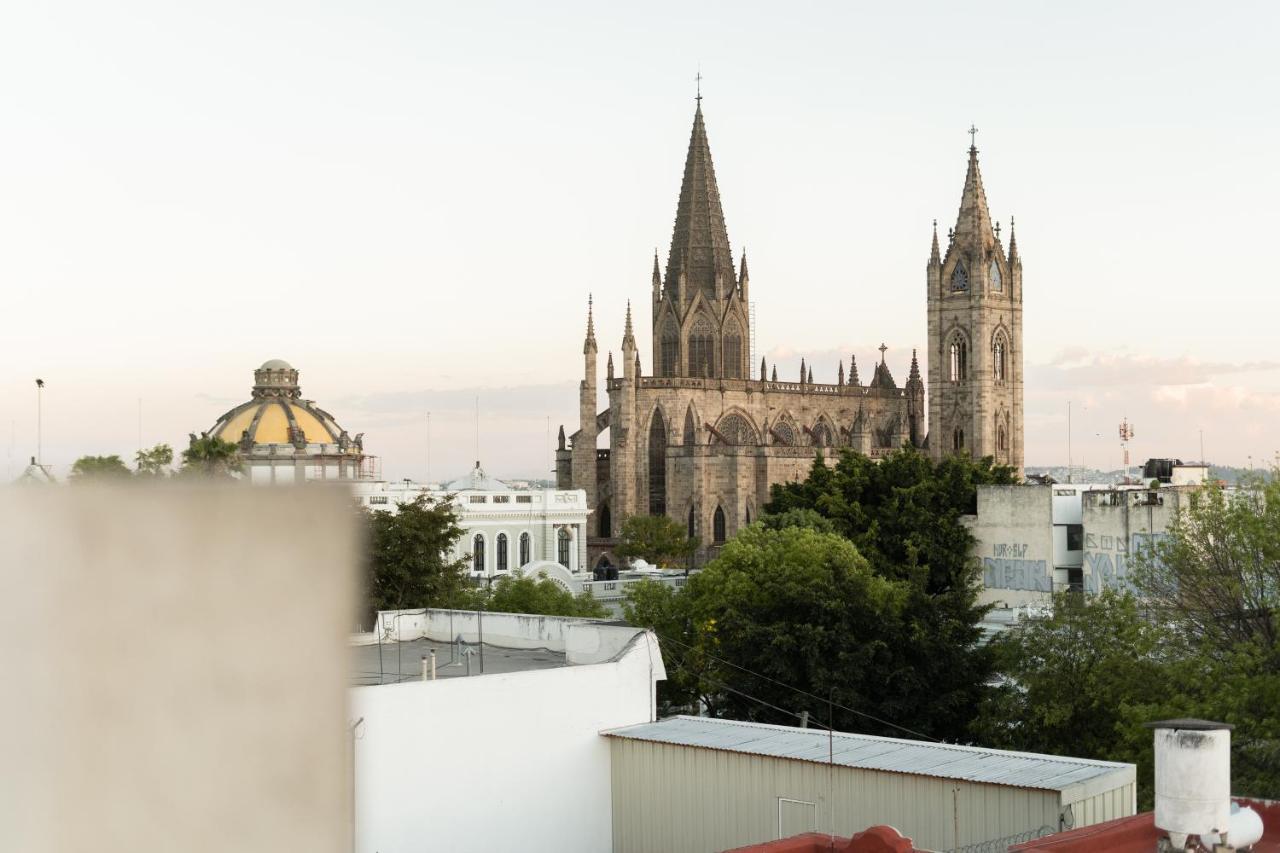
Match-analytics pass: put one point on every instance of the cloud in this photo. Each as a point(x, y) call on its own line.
point(1078, 367)
point(536, 399)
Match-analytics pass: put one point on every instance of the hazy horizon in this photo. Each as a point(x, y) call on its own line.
point(411, 203)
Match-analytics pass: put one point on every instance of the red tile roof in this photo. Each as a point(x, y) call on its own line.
point(1138, 834)
point(877, 839)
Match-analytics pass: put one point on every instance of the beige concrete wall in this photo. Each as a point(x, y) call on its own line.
point(679, 799)
point(175, 669)
point(1014, 533)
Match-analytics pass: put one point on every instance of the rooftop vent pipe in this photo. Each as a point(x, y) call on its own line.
point(1193, 780)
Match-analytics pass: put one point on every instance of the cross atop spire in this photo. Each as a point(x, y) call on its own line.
point(698, 78)
point(973, 138)
point(883, 350)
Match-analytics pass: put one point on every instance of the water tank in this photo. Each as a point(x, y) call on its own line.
point(1193, 776)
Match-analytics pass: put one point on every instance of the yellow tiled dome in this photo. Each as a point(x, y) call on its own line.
point(277, 414)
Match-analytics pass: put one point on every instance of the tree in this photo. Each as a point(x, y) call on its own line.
point(154, 462)
point(657, 539)
point(667, 611)
point(796, 610)
point(1217, 572)
point(98, 469)
point(409, 564)
point(903, 514)
point(210, 456)
point(520, 593)
point(1085, 680)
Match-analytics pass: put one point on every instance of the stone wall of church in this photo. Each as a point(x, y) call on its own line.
point(760, 433)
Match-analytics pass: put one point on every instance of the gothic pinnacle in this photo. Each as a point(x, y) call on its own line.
point(590, 343)
point(853, 370)
point(628, 336)
point(802, 369)
point(935, 257)
point(774, 376)
point(1013, 243)
point(609, 365)
point(764, 373)
point(840, 373)
point(915, 367)
point(810, 379)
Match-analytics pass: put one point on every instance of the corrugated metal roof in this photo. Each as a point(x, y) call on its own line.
point(942, 760)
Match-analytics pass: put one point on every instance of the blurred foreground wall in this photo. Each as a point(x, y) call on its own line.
point(174, 669)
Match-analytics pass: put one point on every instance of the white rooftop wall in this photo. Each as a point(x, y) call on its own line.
point(504, 761)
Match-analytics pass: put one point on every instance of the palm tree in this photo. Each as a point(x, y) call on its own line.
point(210, 456)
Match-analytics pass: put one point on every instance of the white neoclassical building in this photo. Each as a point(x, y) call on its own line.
point(506, 529)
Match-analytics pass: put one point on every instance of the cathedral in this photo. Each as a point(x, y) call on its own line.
point(701, 439)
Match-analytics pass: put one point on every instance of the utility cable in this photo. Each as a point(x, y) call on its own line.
point(802, 692)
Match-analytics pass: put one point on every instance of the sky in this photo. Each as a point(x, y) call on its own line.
point(411, 202)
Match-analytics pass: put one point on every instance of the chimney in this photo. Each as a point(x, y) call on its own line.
point(1193, 782)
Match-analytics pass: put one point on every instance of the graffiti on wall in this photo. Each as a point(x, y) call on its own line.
point(1108, 559)
point(1009, 568)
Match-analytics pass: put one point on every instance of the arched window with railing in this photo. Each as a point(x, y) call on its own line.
point(503, 553)
point(477, 553)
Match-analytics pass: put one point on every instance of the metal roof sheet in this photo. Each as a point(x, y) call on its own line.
point(867, 752)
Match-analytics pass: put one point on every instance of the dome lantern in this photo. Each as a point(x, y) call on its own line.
point(276, 378)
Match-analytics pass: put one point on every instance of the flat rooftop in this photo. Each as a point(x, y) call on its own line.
point(867, 752)
point(391, 663)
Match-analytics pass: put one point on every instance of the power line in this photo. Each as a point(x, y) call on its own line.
point(825, 700)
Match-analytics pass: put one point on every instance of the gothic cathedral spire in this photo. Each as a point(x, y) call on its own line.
point(975, 336)
point(701, 319)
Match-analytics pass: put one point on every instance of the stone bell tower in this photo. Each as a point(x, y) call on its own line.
point(975, 335)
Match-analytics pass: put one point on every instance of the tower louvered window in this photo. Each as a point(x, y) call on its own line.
point(701, 351)
point(670, 353)
point(959, 359)
point(998, 359)
point(733, 356)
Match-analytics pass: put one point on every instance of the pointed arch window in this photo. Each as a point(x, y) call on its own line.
point(957, 440)
point(701, 350)
point(997, 283)
point(657, 465)
point(524, 549)
point(784, 434)
point(605, 522)
point(690, 432)
point(822, 435)
point(563, 542)
point(733, 353)
point(717, 526)
point(669, 352)
point(959, 359)
point(692, 524)
point(959, 279)
point(736, 430)
point(1002, 439)
point(477, 553)
point(999, 358)
point(503, 552)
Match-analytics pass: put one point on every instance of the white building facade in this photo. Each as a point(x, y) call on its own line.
point(506, 529)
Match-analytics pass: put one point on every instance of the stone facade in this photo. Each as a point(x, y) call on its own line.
point(702, 439)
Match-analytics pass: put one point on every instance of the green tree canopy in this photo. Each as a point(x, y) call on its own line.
point(1217, 572)
point(903, 514)
point(409, 558)
point(210, 456)
point(520, 593)
point(1086, 679)
point(89, 469)
point(154, 462)
point(656, 539)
